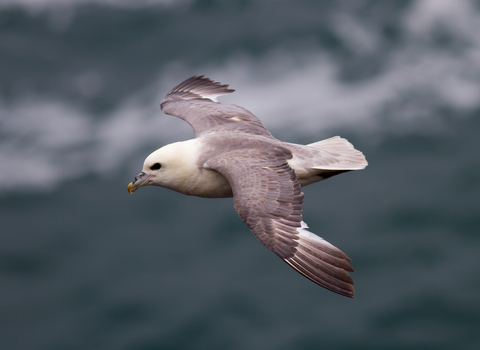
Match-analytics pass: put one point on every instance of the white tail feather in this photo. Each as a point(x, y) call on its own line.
point(348, 157)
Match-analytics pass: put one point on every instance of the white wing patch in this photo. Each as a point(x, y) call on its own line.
point(306, 235)
point(340, 166)
point(212, 97)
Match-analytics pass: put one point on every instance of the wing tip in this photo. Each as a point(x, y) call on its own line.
point(197, 87)
point(322, 263)
point(327, 281)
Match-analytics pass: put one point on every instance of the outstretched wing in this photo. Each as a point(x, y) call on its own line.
point(194, 101)
point(268, 198)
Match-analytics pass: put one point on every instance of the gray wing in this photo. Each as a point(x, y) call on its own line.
point(193, 101)
point(268, 198)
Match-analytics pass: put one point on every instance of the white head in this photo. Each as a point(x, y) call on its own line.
point(167, 167)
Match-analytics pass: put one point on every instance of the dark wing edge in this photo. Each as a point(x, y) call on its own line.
point(268, 199)
point(322, 263)
point(196, 87)
point(194, 101)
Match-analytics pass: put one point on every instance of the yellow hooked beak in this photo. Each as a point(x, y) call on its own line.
point(140, 180)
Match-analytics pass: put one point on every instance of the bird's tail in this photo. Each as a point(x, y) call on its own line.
point(343, 156)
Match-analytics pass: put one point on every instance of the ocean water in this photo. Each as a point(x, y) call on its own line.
point(85, 265)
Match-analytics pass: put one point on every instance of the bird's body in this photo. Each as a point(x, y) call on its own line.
point(234, 155)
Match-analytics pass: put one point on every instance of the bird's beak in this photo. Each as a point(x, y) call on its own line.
point(140, 180)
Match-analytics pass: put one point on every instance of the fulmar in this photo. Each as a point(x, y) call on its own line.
point(234, 155)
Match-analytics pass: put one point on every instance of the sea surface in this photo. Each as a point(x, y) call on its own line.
point(85, 265)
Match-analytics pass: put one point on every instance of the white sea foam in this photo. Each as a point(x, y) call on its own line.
point(46, 141)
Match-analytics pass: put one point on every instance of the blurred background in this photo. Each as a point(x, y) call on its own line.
point(85, 265)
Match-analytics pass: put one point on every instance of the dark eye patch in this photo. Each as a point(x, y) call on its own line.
point(156, 166)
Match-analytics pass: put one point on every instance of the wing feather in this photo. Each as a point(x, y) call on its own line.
point(193, 101)
point(268, 198)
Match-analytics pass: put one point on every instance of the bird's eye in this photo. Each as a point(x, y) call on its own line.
point(156, 166)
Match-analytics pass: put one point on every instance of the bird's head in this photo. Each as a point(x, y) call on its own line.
point(165, 167)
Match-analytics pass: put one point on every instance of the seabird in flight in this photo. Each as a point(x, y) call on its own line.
point(233, 154)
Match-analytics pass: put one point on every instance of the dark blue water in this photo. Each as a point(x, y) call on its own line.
point(85, 265)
